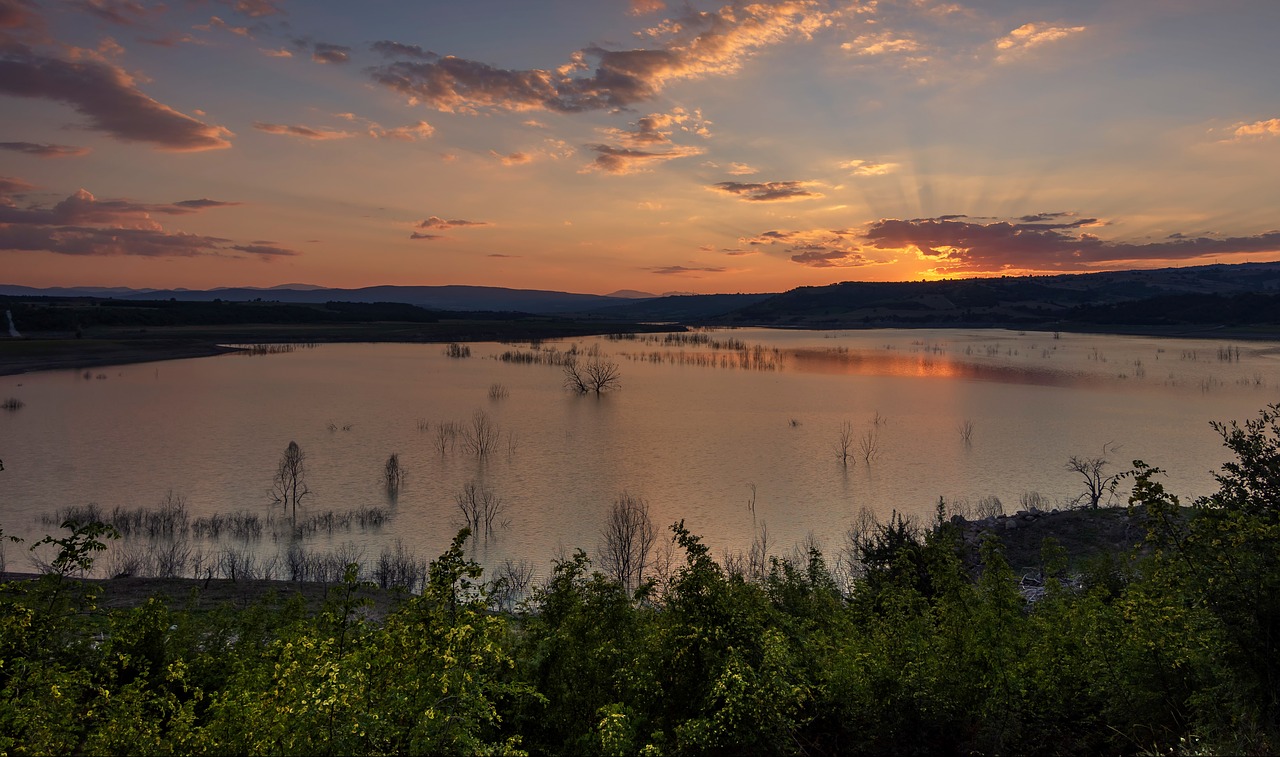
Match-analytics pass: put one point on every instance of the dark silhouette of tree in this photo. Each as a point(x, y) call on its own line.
point(290, 484)
point(596, 375)
point(629, 535)
point(1098, 486)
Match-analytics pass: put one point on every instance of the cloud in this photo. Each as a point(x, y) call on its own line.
point(108, 97)
point(428, 237)
point(1257, 130)
point(203, 204)
point(20, 15)
point(172, 39)
point(859, 167)
point(512, 159)
point(83, 225)
point(1043, 242)
point(769, 191)
point(412, 133)
point(10, 186)
point(218, 24)
point(816, 248)
point(679, 270)
point(436, 222)
point(740, 169)
point(656, 128)
point(263, 249)
point(622, 160)
point(45, 150)
point(120, 12)
point(305, 132)
point(280, 53)
point(325, 52)
point(642, 7)
point(694, 45)
point(255, 8)
point(1029, 36)
point(389, 49)
point(882, 43)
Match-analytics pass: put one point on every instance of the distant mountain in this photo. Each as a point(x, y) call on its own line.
point(1000, 301)
point(458, 298)
point(1163, 296)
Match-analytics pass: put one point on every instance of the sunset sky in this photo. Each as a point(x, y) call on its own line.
point(591, 146)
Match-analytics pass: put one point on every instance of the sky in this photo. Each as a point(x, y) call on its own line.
point(596, 145)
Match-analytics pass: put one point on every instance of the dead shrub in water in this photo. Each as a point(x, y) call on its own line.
point(398, 567)
point(479, 507)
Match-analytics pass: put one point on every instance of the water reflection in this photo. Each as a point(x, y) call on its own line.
point(889, 363)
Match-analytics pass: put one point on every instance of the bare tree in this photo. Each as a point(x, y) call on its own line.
point(844, 443)
point(596, 375)
point(628, 535)
point(480, 507)
point(869, 444)
point(1098, 486)
point(290, 484)
point(482, 436)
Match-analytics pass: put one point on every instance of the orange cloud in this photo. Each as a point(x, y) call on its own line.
point(642, 7)
point(1042, 242)
point(1032, 35)
point(108, 97)
point(1257, 129)
point(859, 167)
point(695, 45)
point(305, 132)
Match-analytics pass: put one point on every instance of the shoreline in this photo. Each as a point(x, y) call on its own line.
point(60, 351)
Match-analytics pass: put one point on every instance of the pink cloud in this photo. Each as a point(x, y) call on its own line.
point(83, 225)
point(621, 160)
point(120, 12)
point(108, 97)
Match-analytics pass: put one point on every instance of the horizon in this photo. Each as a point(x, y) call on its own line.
point(700, 148)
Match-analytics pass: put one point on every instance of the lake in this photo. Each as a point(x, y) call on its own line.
point(699, 428)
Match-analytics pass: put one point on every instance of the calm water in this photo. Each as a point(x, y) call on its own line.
point(691, 430)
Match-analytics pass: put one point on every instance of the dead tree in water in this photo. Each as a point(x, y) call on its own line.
point(596, 375)
point(290, 484)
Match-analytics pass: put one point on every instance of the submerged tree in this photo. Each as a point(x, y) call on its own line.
point(596, 375)
point(290, 484)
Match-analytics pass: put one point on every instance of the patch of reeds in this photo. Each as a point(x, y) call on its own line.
point(453, 349)
point(398, 567)
point(241, 524)
point(12, 403)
